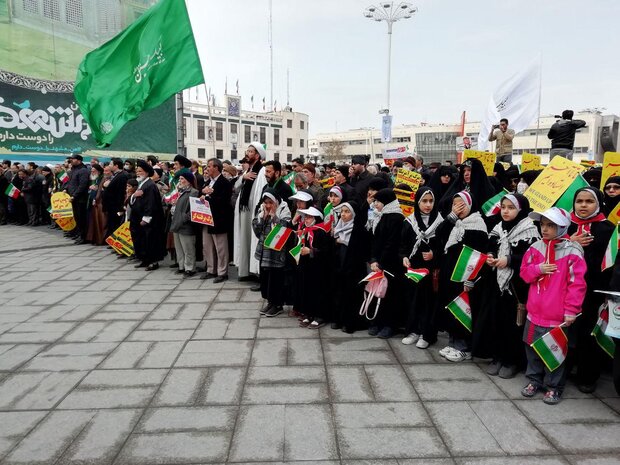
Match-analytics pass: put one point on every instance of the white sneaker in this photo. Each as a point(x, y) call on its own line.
point(411, 339)
point(458, 356)
point(422, 344)
point(445, 351)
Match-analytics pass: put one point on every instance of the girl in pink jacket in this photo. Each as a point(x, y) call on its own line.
point(555, 270)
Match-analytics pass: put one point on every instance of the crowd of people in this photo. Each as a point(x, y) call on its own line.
point(309, 245)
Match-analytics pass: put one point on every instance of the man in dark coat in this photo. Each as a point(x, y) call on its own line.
point(113, 197)
point(361, 177)
point(218, 192)
point(273, 175)
point(146, 222)
point(77, 188)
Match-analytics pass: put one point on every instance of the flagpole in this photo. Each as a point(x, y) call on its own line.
point(210, 118)
point(539, 100)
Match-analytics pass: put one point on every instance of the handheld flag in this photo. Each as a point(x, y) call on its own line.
point(461, 310)
point(12, 191)
point(468, 265)
point(139, 69)
point(63, 177)
point(277, 237)
point(612, 251)
point(328, 217)
point(296, 251)
point(416, 275)
point(289, 179)
point(605, 342)
point(552, 348)
point(373, 275)
point(172, 196)
point(493, 205)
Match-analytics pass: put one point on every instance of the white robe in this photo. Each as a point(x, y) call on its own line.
point(245, 240)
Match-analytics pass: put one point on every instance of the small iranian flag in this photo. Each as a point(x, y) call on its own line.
point(461, 310)
point(277, 237)
point(289, 179)
point(373, 275)
point(12, 191)
point(468, 265)
point(612, 251)
point(493, 205)
point(328, 217)
point(606, 343)
point(416, 275)
point(171, 196)
point(296, 251)
point(552, 347)
point(63, 176)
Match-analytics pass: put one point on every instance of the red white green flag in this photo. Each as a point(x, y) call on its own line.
point(12, 191)
point(328, 217)
point(172, 196)
point(606, 342)
point(493, 205)
point(612, 251)
point(416, 275)
point(461, 310)
point(468, 265)
point(277, 237)
point(289, 179)
point(552, 348)
point(63, 176)
point(296, 251)
point(373, 275)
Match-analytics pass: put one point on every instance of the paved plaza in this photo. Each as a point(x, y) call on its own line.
point(104, 364)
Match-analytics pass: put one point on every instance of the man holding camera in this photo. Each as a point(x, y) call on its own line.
point(562, 135)
point(503, 136)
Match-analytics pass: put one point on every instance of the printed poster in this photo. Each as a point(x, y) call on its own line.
point(486, 158)
point(200, 211)
point(551, 183)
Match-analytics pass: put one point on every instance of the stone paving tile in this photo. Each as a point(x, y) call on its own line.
point(143, 355)
point(190, 297)
point(14, 355)
point(136, 296)
point(215, 353)
point(201, 386)
point(103, 389)
point(38, 298)
point(61, 313)
point(40, 390)
point(580, 438)
point(189, 419)
point(530, 460)
point(381, 415)
point(370, 351)
point(123, 312)
point(349, 384)
point(14, 426)
point(101, 331)
point(99, 297)
point(70, 356)
point(410, 354)
point(512, 388)
point(572, 411)
point(595, 459)
point(226, 329)
point(179, 312)
point(37, 332)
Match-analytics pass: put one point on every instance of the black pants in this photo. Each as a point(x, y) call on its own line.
point(114, 222)
point(421, 317)
point(588, 355)
point(80, 215)
point(272, 285)
point(508, 337)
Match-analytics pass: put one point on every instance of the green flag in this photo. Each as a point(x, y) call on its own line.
point(139, 69)
point(566, 201)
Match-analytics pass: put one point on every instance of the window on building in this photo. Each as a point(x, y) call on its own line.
point(201, 153)
point(233, 128)
point(200, 129)
point(219, 153)
point(302, 124)
point(51, 9)
point(219, 131)
point(74, 14)
point(184, 127)
point(31, 6)
point(301, 143)
point(289, 157)
point(289, 123)
point(276, 137)
point(289, 142)
point(276, 156)
point(247, 134)
point(233, 154)
point(263, 135)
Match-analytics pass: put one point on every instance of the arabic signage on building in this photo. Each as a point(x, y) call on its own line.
point(41, 117)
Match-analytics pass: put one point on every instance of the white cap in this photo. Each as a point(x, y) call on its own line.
point(311, 212)
point(259, 148)
point(556, 215)
point(303, 196)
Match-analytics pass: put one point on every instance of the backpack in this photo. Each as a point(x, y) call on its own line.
point(376, 288)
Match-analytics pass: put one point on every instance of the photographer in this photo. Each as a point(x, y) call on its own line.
point(562, 135)
point(503, 136)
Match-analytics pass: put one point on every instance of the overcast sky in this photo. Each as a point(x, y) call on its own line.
point(448, 58)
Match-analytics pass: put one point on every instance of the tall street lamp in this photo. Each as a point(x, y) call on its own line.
point(390, 13)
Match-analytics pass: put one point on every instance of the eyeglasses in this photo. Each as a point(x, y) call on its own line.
point(614, 187)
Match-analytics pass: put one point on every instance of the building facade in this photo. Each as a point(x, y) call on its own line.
point(225, 132)
point(437, 142)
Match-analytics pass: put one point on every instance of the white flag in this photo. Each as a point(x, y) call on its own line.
point(517, 100)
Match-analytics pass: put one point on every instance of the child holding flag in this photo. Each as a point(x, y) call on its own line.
point(420, 250)
point(272, 212)
point(555, 269)
point(592, 231)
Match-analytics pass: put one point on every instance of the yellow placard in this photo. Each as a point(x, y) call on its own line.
point(121, 241)
point(486, 158)
point(61, 205)
point(611, 166)
point(530, 162)
point(552, 182)
point(614, 215)
point(406, 200)
point(328, 183)
point(412, 179)
point(66, 224)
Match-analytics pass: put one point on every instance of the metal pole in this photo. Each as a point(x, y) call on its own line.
point(389, 65)
point(539, 100)
point(271, 52)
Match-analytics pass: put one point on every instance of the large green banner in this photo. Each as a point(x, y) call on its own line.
point(39, 116)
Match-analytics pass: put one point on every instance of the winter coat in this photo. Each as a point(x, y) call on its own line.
point(181, 218)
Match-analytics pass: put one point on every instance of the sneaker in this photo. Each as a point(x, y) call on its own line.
point(386, 333)
point(316, 324)
point(373, 330)
point(587, 388)
point(552, 397)
point(508, 372)
point(494, 368)
point(305, 322)
point(274, 311)
point(179, 271)
point(266, 308)
point(530, 390)
point(422, 344)
point(458, 356)
point(411, 339)
point(445, 351)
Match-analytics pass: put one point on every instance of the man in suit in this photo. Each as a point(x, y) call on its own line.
point(146, 221)
point(200, 180)
point(77, 188)
point(218, 191)
point(113, 197)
